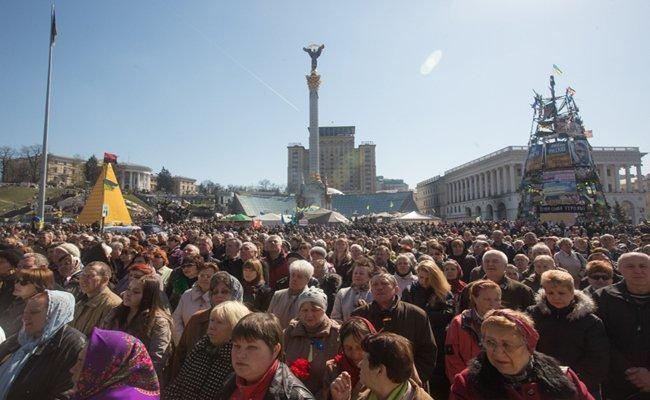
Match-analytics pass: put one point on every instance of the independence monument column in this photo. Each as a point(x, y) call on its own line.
point(313, 82)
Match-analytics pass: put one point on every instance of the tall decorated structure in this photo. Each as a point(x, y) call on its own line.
point(106, 204)
point(313, 191)
point(560, 181)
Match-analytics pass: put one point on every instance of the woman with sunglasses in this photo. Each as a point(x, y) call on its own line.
point(28, 283)
point(182, 279)
point(598, 275)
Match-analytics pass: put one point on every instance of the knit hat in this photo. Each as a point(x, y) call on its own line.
point(70, 249)
point(314, 295)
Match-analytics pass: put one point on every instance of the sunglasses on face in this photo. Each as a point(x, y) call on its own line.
point(600, 277)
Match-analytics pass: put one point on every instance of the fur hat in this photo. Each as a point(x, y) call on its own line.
point(314, 295)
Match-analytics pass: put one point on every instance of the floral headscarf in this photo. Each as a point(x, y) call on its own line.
point(115, 360)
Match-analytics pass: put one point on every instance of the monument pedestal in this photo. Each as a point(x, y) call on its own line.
point(314, 193)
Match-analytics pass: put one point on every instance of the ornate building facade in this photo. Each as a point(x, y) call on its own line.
point(487, 186)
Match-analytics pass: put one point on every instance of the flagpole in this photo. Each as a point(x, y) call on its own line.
point(43, 183)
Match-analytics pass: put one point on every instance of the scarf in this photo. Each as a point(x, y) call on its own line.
point(395, 394)
point(255, 391)
point(344, 362)
point(60, 311)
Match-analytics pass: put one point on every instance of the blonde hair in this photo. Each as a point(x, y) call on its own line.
point(556, 277)
point(441, 287)
point(230, 312)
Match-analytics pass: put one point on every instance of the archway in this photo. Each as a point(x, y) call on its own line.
point(468, 212)
point(501, 211)
point(489, 212)
point(478, 212)
point(628, 207)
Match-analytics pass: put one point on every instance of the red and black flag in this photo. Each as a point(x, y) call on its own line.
point(110, 158)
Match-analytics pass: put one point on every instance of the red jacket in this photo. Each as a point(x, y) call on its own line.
point(462, 389)
point(461, 345)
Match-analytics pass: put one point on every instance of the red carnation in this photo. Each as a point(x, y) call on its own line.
point(300, 368)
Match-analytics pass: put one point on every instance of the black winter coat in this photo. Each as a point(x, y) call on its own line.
point(627, 323)
point(284, 386)
point(46, 375)
point(514, 295)
point(574, 336)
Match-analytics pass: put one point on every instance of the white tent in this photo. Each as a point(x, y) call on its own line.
point(415, 216)
point(269, 219)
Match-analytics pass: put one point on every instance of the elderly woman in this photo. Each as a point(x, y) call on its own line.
point(114, 365)
point(28, 283)
point(68, 263)
point(404, 273)
point(36, 362)
point(568, 259)
point(284, 303)
point(193, 300)
point(510, 368)
point(141, 315)
point(160, 262)
point(183, 279)
point(358, 294)
point(599, 274)
point(223, 287)
point(342, 260)
point(311, 339)
point(208, 364)
point(351, 334)
point(385, 370)
point(463, 339)
point(257, 294)
point(459, 253)
point(569, 330)
point(257, 356)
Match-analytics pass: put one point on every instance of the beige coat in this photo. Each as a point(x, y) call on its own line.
point(298, 344)
point(192, 301)
point(89, 313)
point(284, 306)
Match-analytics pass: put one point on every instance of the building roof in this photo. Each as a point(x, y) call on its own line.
point(258, 205)
point(183, 178)
point(129, 166)
point(336, 130)
point(361, 204)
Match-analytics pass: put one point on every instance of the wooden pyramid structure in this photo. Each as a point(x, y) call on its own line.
point(105, 198)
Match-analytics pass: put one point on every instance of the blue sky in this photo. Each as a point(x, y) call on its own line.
point(216, 90)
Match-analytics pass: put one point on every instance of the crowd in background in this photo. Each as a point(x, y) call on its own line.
point(369, 310)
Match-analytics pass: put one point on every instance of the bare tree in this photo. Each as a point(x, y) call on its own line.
point(32, 156)
point(6, 154)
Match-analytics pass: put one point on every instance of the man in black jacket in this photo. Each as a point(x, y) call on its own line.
point(624, 308)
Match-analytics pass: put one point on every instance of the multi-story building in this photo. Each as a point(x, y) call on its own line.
point(133, 177)
point(349, 169)
point(61, 170)
point(487, 186)
point(183, 185)
point(391, 185)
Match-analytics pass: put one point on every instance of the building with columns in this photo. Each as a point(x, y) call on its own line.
point(487, 186)
point(183, 185)
point(133, 177)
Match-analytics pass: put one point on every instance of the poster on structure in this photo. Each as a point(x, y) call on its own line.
point(535, 159)
point(581, 153)
point(557, 155)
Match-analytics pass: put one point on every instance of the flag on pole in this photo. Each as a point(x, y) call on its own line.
point(110, 158)
point(53, 29)
point(557, 69)
point(570, 91)
point(589, 134)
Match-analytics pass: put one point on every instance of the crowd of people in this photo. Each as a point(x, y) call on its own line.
point(480, 310)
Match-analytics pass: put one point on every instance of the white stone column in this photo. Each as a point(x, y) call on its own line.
point(513, 188)
point(482, 185)
point(639, 178)
point(617, 177)
point(603, 177)
point(473, 177)
point(498, 174)
point(628, 179)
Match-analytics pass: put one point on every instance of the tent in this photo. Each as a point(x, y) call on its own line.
point(415, 216)
point(326, 217)
point(270, 219)
point(105, 201)
point(236, 218)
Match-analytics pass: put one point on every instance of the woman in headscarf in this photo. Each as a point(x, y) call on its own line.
point(257, 294)
point(311, 339)
point(208, 364)
point(454, 273)
point(142, 316)
point(404, 272)
point(508, 367)
point(223, 287)
point(38, 359)
point(114, 365)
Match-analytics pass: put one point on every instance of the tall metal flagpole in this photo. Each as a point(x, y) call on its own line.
point(43, 183)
